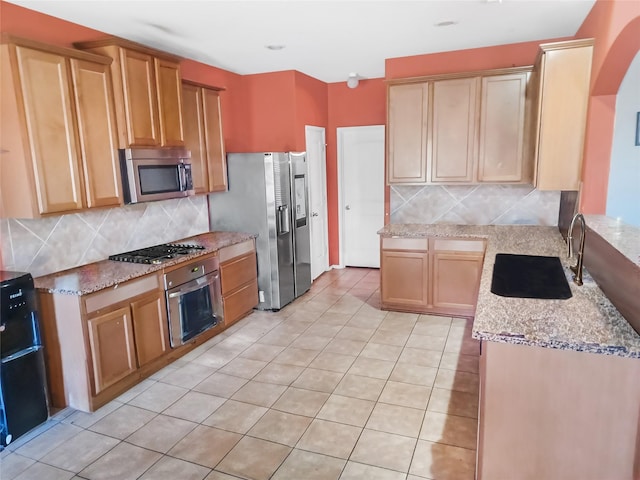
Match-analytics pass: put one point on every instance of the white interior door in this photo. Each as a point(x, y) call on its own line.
point(361, 187)
point(317, 161)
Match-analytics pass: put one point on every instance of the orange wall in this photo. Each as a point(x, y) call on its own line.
point(269, 124)
point(311, 107)
point(485, 58)
point(615, 26)
point(364, 105)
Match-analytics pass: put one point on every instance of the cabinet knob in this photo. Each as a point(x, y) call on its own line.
point(314, 214)
point(348, 207)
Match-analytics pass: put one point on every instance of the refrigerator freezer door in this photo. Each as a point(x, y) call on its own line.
point(300, 222)
point(282, 205)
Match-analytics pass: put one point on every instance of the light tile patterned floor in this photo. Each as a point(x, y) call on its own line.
point(329, 388)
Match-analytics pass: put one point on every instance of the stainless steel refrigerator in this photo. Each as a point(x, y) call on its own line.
point(268, 196)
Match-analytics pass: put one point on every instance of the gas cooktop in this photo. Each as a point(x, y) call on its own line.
point(156, 254)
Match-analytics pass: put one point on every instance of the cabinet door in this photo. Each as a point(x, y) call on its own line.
point(404, 278)
point(456, 278)
point(150, 328)
point(214, 140)
point(500, 157)
point(454, 130)
point(169, 88)
point(565, 75)
point(97, 132)
point(407, 133)
point(46, 96)
point(112, 349)
point(194, 136)
point(140, 99)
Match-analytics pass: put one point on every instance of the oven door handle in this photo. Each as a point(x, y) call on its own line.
point(198, 286)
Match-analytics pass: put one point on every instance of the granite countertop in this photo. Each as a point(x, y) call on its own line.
point(624, 238)
point(107, 273)
point(585, 322)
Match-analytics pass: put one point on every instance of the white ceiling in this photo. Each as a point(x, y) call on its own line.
point(326, 39)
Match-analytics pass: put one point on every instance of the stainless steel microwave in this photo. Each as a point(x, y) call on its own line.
point(150, 174)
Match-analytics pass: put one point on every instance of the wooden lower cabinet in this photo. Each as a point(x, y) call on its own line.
point(431, 275)
point(100, 344)
point(456, 277)
point(239, 303)
point(405, 279)
point(239, 279)
point(111, 347)
point(150, 328)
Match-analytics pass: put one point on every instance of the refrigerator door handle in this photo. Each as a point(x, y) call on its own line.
point(283, 219)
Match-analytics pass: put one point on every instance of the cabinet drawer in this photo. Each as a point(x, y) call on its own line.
point(421, 244)
point(458, 245)
point(121, 292)
point(238, 271)
point(240, 302)
point(227, 253)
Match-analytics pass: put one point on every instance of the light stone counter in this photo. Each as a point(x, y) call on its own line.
point(585, 322)
point(624, 238)
point(99, 275)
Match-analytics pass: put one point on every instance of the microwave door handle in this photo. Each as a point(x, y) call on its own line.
point(182, 177)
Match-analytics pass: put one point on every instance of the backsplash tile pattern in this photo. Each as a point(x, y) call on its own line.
point(52, 244)
point(474, 205)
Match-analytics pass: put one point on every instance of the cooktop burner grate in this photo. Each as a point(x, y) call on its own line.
point(156, 254)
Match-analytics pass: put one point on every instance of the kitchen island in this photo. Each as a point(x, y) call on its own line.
point(559, 379)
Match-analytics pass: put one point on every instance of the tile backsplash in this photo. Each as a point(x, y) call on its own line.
point(474, 205)
point(52, 244)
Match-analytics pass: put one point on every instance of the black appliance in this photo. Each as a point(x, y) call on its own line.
point(23, 392)
point(156, 254)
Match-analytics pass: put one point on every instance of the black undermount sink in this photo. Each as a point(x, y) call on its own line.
point(529, 276)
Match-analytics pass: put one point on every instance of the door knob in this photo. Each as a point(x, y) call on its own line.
point(348, 207)
point(314, 214)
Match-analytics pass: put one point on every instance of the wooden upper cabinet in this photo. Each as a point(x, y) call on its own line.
point(140, 101)
point(407, 120)
point(169, 88)
point(194, 136)
point(460, 128)
point(454, 130)
point(97, 135)
point(502, 123)
point(214, 141)
point(203, 137)
point(58, 138)
point(563, 72)
point(46, 97)
point(147, 87)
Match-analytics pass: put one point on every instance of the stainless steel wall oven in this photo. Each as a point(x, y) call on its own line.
point(194, 299)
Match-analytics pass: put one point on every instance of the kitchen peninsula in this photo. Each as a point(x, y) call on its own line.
point(559, 379)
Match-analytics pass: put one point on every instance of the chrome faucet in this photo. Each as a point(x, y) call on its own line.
point(577, 269)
